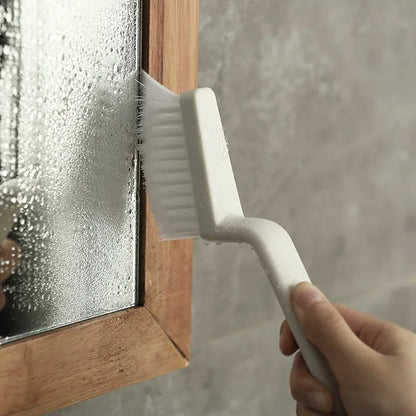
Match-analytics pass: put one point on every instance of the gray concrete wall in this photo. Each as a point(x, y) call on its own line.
point(318, 100)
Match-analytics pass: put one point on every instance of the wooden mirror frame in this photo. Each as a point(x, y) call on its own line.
point(42, 373)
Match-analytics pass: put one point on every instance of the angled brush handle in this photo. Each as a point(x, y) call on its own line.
point(285, 270)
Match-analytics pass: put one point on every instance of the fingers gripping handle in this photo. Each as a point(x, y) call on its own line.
point(285, 269)
point(316, 363)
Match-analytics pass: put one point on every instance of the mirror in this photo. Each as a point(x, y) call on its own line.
point(68, 165)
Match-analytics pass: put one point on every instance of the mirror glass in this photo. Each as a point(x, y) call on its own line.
point(68, 171)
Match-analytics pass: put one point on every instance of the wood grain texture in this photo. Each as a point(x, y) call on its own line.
point(168, 265)
point(42, 373)
point(81, 361)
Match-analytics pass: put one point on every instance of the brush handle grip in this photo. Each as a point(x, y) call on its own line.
point(285, 270)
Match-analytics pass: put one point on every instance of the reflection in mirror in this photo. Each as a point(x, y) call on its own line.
point(67, 161)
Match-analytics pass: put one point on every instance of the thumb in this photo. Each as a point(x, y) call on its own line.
point(325, 327)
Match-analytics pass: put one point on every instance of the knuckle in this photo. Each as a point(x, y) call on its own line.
point(297, 383)
point(393, 331)
point(304, 411)
point(322, 318)
point(295, 390)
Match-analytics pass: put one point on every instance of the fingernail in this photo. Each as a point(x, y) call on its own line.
point(305, 295)
point(319, 400)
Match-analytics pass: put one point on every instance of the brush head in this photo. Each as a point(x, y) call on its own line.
point(186, 165)
point(164, 161)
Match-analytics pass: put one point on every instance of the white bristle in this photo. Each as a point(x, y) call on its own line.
point(165, 163)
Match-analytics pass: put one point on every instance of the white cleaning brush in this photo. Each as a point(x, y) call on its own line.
point(192, 192)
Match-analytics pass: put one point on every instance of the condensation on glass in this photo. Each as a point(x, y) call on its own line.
point(67, 145)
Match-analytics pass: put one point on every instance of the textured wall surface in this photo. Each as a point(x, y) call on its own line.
point(318, 101)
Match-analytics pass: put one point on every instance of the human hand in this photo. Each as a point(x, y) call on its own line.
point(374, 361)
point(9, 260)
